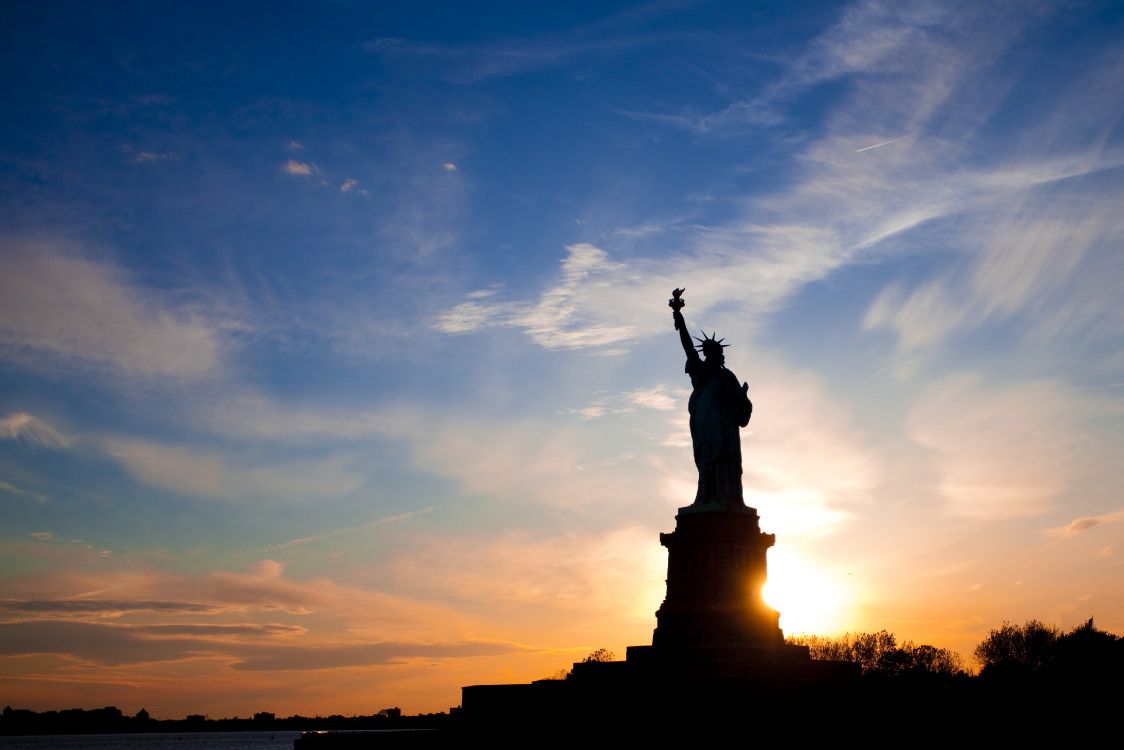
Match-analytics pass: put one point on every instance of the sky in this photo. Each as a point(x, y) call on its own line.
point(337, 372)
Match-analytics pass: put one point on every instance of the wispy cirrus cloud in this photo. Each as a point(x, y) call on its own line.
point(378, 522)
point(247, 645)
point(249, 414)
point(512, 56)
point(102, 606)
point(58, 307)
point(596, 301)
point(1081, 525)
point(30, 430)
point(20, 491)
point(350, 655)
point(1027, 240)
point(660, 397)
point(213, 474)
point(1040, 232)
point(863, 202)
point(1053, 263)
point(922, 48)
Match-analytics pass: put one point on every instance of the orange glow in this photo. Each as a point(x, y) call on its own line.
point(810, 599)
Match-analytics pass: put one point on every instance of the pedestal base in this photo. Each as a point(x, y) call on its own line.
point(716, 569)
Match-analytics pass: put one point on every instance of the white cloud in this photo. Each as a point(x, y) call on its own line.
point(557, 320)
point(598, 302)
point(449, 166)
point(1001, 453)
point(659, 397)
point(593, 411)
point(31, 430)
point(55, 305)
point(218, 476)
point(252, 415)
point(299, 168)
point(348, 185)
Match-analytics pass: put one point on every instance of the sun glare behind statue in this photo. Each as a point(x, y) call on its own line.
point(809, 600)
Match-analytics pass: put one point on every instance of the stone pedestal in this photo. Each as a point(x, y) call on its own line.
point(716, 569)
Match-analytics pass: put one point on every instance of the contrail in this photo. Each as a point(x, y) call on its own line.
point(883, 143)
point(373, 524)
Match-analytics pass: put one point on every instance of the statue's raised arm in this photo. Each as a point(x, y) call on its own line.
point(719, 407)
point(676, 304)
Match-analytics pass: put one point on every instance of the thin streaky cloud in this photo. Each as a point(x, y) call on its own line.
point(397, 518)
point(1080, 525)
point(879, 145)
point(24, 428)
point(102, 606)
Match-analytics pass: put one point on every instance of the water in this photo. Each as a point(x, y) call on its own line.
point(170, 741)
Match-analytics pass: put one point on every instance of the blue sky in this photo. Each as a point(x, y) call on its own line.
point(337, 368)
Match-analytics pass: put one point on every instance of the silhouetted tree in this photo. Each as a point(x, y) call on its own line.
point(881, 658)
point(877, 653)
point(601, 654)
point(928, 659)
point(825, 647)
point(1011, 651)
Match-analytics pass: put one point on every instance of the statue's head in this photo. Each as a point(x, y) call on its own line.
point(711, 348)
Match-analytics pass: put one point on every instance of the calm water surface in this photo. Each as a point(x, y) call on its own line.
point(170, 741)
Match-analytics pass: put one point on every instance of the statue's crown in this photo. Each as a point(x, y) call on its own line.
point(709, 342)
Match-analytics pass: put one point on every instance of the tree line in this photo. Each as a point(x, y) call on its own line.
point(1032, 651)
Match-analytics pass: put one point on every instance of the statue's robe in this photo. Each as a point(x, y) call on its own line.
point(719, 408)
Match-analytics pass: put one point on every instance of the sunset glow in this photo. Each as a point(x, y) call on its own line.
point(810, 600)
point(337, 369)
